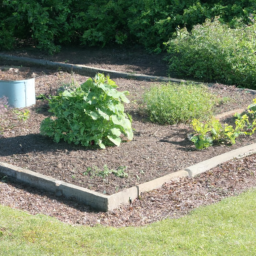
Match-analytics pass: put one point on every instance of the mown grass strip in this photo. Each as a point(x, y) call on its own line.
point(226, 228)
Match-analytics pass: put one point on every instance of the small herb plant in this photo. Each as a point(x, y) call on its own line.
point(171, 103)
point(92, 114)
point(208, 132)
point(95, 171)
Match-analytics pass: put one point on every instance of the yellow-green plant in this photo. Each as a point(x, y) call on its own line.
point(22, 115)
point(213, 131)
point(172, 103)
point(201, 138)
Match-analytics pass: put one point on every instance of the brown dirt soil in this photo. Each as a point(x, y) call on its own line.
point(154, 152)
point(173, 200)
point(131, 60)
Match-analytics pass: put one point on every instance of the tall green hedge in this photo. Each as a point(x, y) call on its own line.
point(52, 23)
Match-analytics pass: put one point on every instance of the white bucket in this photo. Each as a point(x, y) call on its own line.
point(20, 94)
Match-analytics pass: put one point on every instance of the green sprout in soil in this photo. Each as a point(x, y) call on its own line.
point(95, 171)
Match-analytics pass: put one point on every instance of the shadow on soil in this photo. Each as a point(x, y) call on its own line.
point(35, 143)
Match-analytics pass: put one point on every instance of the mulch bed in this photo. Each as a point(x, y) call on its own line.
point(173, 200)
point(154, 152)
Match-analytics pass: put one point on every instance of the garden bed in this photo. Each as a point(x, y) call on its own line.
point(155, 151)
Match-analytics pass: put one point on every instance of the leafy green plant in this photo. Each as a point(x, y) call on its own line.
point(92, 114)
point(214, 52)
point(213, 131)
point(171, 103)
point(201, 139)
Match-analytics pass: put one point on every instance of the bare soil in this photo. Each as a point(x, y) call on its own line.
point(154, 152)
point(134, 60)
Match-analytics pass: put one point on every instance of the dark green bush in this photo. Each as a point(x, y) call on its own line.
point(215, 53)
point(52, 23)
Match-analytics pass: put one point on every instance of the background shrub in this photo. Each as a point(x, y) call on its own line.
point(172, 103)
point(215, 53)
point(92, 114)
point(52, 23)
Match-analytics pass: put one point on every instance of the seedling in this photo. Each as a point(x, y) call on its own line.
point(22, 115)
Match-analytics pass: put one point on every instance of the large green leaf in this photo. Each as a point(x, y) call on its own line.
point(124, 98)
point(114, 93)
point(87, 85)
point(104, 115)
point(92, 114)
point(66, 94)
point(116, 140)
point(115, 132)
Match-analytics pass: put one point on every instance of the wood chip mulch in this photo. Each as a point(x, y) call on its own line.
point(173, 200)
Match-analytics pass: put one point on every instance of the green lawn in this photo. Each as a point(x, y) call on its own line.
point(226, 228)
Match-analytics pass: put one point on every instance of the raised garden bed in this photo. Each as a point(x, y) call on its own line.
point(154, 152)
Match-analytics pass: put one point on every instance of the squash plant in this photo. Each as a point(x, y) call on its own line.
point(92, 114)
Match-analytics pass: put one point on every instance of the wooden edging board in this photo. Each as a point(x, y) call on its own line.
point(109, 202)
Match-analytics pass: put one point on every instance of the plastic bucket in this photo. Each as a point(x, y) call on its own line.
point(20, 94)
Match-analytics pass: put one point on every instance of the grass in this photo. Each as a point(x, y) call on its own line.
point(225, 228)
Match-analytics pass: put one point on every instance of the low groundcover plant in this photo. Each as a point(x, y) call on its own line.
point(92, 114)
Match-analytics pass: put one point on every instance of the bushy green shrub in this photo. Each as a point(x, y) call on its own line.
point(52, 23)
point(215, 53)
point(171, 103)
point(92, 114)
